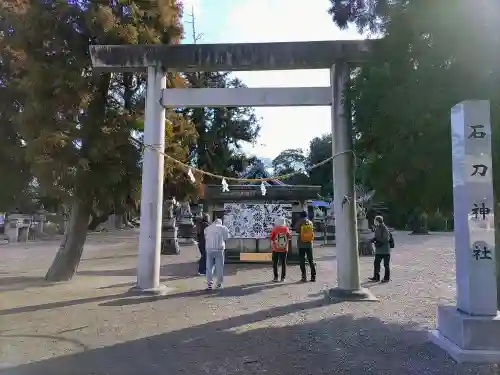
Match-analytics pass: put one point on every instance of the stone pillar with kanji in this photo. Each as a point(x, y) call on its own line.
point(470, 331)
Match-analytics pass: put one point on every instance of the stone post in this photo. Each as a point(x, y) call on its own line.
point(365, 234)
point(470, 331)
point(169, 240)
point(148, 270)
point(185, 223)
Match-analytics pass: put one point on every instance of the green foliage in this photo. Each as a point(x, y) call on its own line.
point(365, 14)
point(181, 134)
point(291, 161)
point(221, 131)
point(320, 149)
point(439, 223)
point(15, 188)
point(434, 54)
point(77, 126)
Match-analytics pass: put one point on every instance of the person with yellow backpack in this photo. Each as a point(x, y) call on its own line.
point(305, 229)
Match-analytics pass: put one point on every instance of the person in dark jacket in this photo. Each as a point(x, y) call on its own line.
point(382, 250)
point(305, 247)
point(203, 224)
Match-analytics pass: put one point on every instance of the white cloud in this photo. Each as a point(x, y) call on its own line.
point(279, 21)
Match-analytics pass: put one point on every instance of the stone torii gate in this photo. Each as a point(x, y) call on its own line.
point(158, 59)
point(468, 331)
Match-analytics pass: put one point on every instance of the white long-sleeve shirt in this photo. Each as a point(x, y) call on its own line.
point(216, 235)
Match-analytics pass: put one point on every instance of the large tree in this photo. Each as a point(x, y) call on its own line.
point(320, 149)
point(78, 126)
point(366, 15)
point(15, 189)
point(434, 54)
point(291, 161)
point(221, 131)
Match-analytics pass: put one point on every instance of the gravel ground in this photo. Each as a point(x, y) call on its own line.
point(92, 326)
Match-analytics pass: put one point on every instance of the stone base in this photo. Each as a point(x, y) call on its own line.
point(160, 291)
point(365, 248)
point(170, 247)
point(361, 295)
point(467, 338)
point(461, 355)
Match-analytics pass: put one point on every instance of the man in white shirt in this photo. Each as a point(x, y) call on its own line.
point(216, 235)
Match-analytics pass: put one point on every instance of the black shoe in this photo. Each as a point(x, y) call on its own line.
point(386, 280)
point(283, 279)
point(374, 279)
point(303, 279)
point(275, 280)
point(313, 279)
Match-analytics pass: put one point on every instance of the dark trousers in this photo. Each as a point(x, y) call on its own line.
point(376, 266)
point(279, 256)
point(202, 264)
point(303, 253)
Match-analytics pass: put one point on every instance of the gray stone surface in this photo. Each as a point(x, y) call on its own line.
point(469, 332)
point(474, 228)
point(463, 355)
point(93, 326)
point(230, 57)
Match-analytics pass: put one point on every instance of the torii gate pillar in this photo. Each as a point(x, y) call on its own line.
point(149, 257)
point(344, 202)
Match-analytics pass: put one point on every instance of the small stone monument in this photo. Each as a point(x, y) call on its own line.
point(185, 223)
point(365, 234)
point(18, 226)
point(330, 226)
point(470, 331)
point(169, 241)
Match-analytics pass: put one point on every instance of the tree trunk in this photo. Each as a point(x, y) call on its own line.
point(97, 220)
point(70, 251)
point(419, 224)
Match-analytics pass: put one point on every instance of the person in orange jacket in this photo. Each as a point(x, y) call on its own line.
point(280, 237)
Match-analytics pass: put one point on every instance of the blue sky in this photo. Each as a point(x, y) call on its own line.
point(247, 21)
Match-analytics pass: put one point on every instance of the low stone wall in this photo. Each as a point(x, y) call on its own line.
point(236, 246)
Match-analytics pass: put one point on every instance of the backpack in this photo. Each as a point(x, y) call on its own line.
point(281, 241)
point(391, 241)
point(307, 232)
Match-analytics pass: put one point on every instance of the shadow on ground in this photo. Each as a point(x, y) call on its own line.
point(10, 283)
point(337, 345)
point(123, 256)
point(127, 298)
point(73, 342)
point(234, 291)
point(169, 272)
point(174, 271)
point(58, 304)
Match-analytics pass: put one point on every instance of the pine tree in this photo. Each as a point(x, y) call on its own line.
point(221, 131)
point(14, 193)
point(77, 125)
